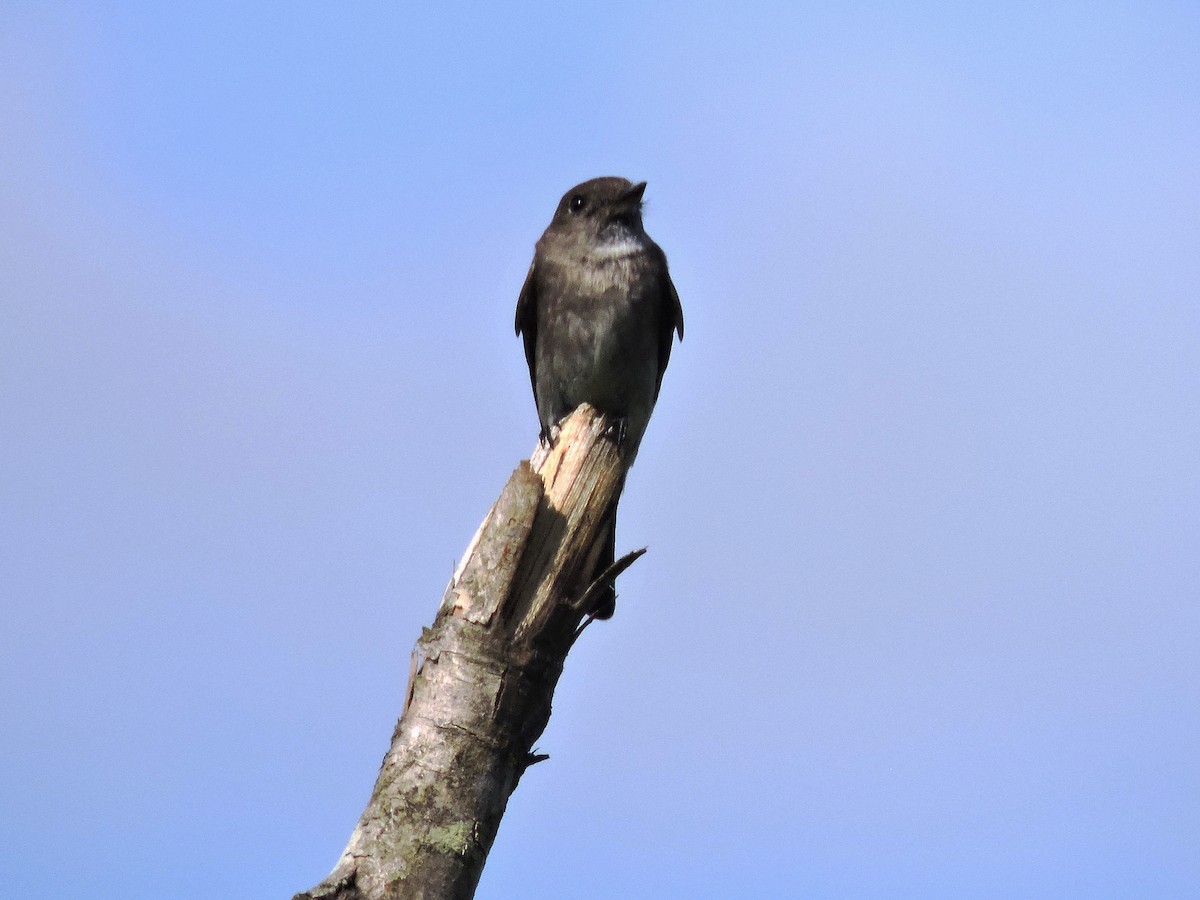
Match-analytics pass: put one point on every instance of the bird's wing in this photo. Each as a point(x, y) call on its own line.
point(670, 321)
point(526, 323)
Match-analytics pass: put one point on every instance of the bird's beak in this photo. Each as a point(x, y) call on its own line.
point(634, 194)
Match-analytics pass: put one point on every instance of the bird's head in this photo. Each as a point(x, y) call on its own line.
point(605, 212)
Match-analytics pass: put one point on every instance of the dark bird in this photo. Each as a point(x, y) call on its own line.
point(598, 313)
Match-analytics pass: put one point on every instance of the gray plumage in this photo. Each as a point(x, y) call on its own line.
point(598, 314)
point(598, 309)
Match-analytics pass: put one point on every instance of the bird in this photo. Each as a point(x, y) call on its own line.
point(598, 314)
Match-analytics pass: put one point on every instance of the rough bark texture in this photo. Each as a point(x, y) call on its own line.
point(484, 676)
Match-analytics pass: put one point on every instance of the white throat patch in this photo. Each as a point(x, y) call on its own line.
point(625, 245)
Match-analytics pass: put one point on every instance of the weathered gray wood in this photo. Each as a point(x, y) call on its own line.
point(484, 678)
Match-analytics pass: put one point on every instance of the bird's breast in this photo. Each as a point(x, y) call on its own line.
point(604, 275)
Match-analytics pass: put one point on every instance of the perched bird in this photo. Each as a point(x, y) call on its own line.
point(598, 313)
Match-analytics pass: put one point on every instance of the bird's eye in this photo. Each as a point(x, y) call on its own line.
point(576, 203)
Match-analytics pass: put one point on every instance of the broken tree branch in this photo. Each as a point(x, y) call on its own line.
point(483, 676)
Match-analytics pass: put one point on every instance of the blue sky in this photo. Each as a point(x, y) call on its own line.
point(922, 493)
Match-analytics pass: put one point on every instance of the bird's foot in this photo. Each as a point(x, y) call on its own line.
point(617, 430)
point(548, 435)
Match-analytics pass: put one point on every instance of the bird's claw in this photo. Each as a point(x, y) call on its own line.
point(617, 430)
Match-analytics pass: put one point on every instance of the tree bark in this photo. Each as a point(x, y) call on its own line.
point(483, 676)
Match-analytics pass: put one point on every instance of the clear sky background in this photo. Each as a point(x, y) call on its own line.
point(922, 493)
